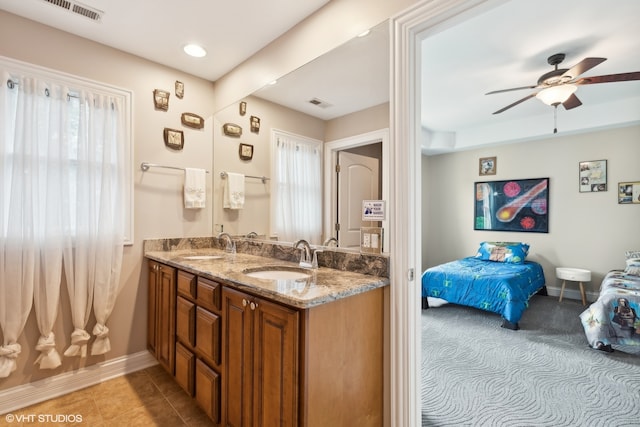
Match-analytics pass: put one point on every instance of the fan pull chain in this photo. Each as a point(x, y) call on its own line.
point(555, 118)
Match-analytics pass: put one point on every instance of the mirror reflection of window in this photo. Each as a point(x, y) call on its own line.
point(296, 188)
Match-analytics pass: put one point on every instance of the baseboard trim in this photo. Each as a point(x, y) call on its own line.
point(572, 294)
point(28, 394)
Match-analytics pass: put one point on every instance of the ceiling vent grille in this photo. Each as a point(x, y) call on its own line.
point(78, 8)
point(319, 103)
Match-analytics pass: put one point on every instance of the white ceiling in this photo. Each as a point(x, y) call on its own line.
point(504, 46)
point(230, 30)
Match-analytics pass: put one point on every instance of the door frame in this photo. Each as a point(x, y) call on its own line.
point(331, 150)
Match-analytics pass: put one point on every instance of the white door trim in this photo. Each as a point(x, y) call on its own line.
point(331, 186)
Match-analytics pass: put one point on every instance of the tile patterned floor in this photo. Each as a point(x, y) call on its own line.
point(149, 397)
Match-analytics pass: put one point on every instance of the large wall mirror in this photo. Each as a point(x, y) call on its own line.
point(341, 100)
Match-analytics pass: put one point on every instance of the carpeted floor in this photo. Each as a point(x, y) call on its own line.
point(475, 373)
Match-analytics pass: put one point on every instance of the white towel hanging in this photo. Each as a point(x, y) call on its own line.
point(234, 191)
point(195, 188)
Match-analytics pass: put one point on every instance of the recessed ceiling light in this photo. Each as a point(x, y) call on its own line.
point(195, 50)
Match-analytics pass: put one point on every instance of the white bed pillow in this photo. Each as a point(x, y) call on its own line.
point(633, 267)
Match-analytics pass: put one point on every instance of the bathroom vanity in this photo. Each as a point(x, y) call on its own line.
point(281, 346)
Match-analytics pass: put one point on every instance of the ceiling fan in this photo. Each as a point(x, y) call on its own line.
point(558, 86)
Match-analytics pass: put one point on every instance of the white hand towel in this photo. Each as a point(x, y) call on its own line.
point(195, 188)
point(234, 191)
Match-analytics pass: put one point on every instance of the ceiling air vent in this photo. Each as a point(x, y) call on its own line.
point(78, 8)
point(319, 103)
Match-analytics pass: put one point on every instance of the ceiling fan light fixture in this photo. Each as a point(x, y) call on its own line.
point(555, 95)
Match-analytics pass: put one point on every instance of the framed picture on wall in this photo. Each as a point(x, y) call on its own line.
point(512, 205)
point(593, 176)
point(629, 192)
point(488, 166)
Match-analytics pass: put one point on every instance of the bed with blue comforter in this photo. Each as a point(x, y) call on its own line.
point(500, 287)
point(613, 318)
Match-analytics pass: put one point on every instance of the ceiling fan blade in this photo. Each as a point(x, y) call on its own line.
point(515, 103)
point(609, 78)
point(509, 90)
point(583, 66)
point(571, 102)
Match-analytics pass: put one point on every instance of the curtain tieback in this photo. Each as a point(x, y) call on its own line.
point(8, 355)
point(79, 340)
point(102, 344)
point(49, 357)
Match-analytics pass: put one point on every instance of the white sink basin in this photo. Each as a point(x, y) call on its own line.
point(277, 273)
point(202, 257)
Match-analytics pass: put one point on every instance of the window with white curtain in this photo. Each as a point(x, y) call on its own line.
point(296, 187)
point(65, 205)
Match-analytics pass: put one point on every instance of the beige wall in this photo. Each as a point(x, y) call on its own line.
point(158, 200)
point(357, 123)
point(586, 230)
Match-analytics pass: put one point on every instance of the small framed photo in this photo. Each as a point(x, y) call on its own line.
point(488, 166)
point(629, 192)
point(246, 151)
point(161, 99)
point(179, 89)
point(255, 124)
point(192, 120)
point(592, 176)
point(231, 129)
point(243, 108)
point(173, 138)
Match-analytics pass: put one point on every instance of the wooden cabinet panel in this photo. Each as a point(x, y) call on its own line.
point(208, 390)
point(185, 368)
point(208, 334)
point(209, 294)
point(261, 361)
point(187, 284)
point(186, 321)
point(161, 313)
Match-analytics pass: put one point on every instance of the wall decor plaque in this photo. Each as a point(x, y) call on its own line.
point(173, 138)
point(179, 89)
point(231, 129)
point(192, 120)
point(161, 99)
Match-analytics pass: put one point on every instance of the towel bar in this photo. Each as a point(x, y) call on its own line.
point(145, 167)
point(264, 179)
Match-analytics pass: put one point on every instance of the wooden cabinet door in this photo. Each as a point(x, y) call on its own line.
point(237, 351)
point(185, 368)
point(208, 390)
point(152, 307)
point(166, 309)
point(260, 382)
point(275, 365)
point(208, 334)
point(186, 321)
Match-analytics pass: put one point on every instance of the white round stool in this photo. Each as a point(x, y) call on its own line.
point(575, 275)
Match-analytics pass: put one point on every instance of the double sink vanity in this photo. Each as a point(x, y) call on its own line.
point(258, 340)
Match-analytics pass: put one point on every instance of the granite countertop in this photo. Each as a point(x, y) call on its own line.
point(324, 284)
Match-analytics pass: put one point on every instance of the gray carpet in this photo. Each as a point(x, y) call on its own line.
point(475, 373)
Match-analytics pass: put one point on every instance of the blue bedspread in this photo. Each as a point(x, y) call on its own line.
point(498, 287)
point(613, 318)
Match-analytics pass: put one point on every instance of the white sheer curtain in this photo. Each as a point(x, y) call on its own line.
point(93, 263)
point(297, 188)
point(61, 206)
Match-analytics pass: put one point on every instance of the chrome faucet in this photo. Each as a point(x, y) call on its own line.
point(251, 235)
point(305, 257)
point(329, 241)
point(231, 246)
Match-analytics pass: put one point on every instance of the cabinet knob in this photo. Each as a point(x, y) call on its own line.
point(244, 302)
point(253, 306)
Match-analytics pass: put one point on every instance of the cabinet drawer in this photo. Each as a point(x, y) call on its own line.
point(186, 321)
point(185, 368)
point(208, 390)
point(186, 284)
point(208, 327)
point(209, 294)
